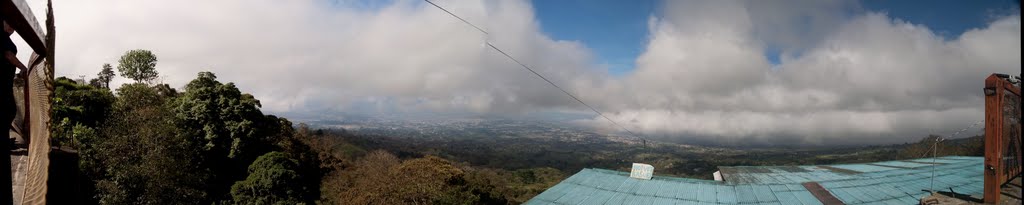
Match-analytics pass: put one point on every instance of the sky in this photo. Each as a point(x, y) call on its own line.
point(616, 31)
point(804, 72)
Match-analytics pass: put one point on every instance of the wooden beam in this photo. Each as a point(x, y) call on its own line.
point(20, 17)
point(998, 168)
point(993, 134)
point(822, 194)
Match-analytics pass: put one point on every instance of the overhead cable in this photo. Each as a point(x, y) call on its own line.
point(535, 72)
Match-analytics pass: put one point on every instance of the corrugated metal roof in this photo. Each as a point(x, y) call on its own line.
point(890, 182)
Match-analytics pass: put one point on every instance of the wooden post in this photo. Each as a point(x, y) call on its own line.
point(1000, 137)
point(993, 122)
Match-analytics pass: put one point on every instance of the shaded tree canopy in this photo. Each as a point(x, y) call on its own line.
point(273, 179)
point(150, 144)
point(138, 159)
point(228, 121)
point(229, 127)
point(77, 107)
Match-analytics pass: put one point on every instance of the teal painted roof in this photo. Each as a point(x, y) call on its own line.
point(890, 182)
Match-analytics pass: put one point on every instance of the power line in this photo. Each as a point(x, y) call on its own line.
point(536, 73)
point(935, 152)
point(953, 136)
point(560, 88)
point(457, 16)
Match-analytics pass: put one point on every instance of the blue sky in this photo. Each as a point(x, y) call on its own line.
point(616, 31)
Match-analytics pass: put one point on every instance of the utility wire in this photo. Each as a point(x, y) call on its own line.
point(536, 73)
point(560, 88)
point(457, 16)
point(935, 152)
point(953, 136)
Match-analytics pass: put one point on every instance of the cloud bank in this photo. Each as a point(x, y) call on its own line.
point(845, 76)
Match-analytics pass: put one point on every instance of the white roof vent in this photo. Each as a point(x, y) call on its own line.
point(642, 171)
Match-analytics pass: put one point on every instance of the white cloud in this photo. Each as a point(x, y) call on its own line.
point(311, 53)
point(846, 76)
point(871, 79)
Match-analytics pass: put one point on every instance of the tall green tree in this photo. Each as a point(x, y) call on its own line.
point(139, 65)
point(228, 121)
point(106, 75)
point(229, 126)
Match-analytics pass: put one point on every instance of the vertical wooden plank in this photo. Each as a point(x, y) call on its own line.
point(993, 135)
point(1001, 138)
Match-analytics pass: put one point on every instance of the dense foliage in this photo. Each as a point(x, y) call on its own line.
point(150, 144)
point(77, 110)
point(138, 158)
point(274, 178)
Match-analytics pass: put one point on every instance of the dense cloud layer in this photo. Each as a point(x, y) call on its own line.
point(871, 79)
point(845, 75)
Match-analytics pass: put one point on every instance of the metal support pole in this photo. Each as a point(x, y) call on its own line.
point(935, 153)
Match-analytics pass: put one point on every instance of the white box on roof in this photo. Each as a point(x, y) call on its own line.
point(642, 171)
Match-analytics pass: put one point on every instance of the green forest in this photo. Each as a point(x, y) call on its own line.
point(209, 143)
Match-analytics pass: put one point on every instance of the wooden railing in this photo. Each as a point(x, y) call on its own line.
point(1002, 134)
point(37, 91)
